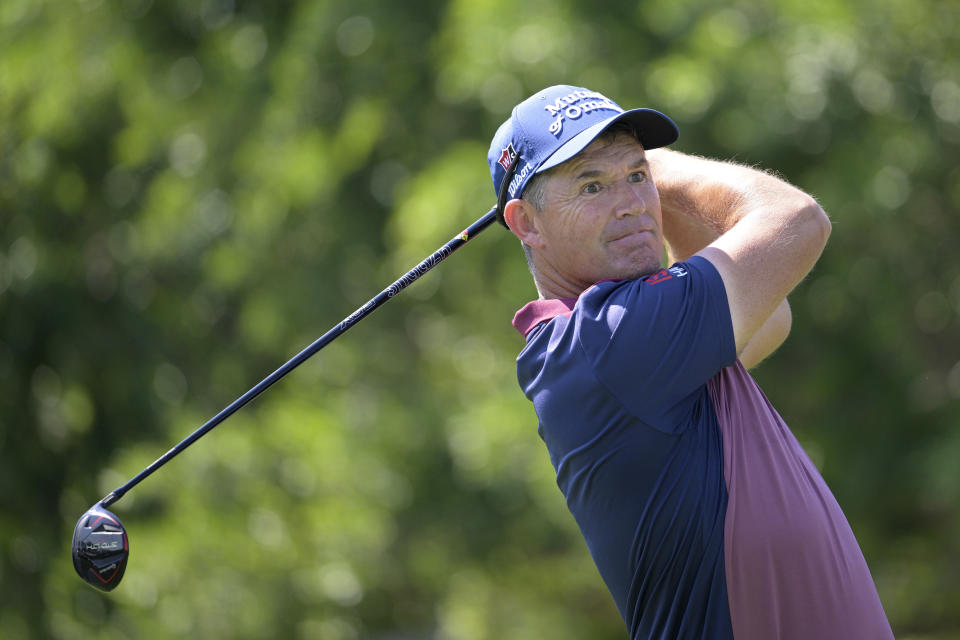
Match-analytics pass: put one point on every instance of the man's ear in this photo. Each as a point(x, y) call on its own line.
point(519, 216)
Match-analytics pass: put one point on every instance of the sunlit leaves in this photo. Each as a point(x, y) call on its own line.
point(190, 192)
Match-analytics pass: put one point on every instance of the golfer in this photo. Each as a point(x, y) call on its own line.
point(702, 512)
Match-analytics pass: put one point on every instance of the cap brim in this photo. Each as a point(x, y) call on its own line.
point(653, 128)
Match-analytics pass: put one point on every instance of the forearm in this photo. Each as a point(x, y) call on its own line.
point(702, 199)
point(769, 337)
point(685, 235)
point(760, 233)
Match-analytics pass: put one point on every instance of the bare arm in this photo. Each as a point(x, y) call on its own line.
point(769, 337)
point(687, 233)
point(762, 234)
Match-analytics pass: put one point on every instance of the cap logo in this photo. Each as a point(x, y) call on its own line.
point(518, 179)
point(507, 156)
point(575, 104)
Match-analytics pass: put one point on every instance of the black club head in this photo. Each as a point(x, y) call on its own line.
point(100, 548)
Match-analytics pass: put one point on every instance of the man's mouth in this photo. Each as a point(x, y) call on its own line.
point(635, 234)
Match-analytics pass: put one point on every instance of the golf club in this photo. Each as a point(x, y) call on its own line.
point(101, 546)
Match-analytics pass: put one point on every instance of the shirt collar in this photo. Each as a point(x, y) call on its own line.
point(533, 313)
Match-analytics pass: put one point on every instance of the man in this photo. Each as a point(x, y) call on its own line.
point(702, 513)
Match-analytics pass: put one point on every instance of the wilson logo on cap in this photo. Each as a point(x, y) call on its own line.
point(507, 156)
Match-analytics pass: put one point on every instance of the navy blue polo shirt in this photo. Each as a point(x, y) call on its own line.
point(704, 516)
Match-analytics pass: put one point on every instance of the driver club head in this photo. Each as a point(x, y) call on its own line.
point(100, 548)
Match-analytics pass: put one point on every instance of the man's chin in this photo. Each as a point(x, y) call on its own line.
point(627, 270)
point(640, 270)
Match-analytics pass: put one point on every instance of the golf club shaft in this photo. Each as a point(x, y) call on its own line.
point(395, 288)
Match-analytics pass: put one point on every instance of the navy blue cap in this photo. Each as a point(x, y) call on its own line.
point(557, 123)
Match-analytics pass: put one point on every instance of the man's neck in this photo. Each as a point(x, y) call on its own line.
point(553, 286)
point(549, 289)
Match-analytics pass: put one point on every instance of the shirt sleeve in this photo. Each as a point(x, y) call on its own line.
point(655, 341)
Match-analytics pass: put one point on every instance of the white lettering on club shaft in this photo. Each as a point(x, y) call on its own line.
point(398, 286)
point(573, 105)
point(410, 276)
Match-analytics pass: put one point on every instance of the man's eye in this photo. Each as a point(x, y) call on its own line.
point(592, 187)
point(637, 177)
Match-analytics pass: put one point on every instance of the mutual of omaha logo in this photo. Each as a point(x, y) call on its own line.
point(574, 105)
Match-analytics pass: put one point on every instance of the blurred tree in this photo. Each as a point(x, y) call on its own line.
point(190, 192)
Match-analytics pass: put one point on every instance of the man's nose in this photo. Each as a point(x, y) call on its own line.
point(630, 200)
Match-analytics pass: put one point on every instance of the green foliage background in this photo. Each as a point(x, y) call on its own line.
point(193, 190)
